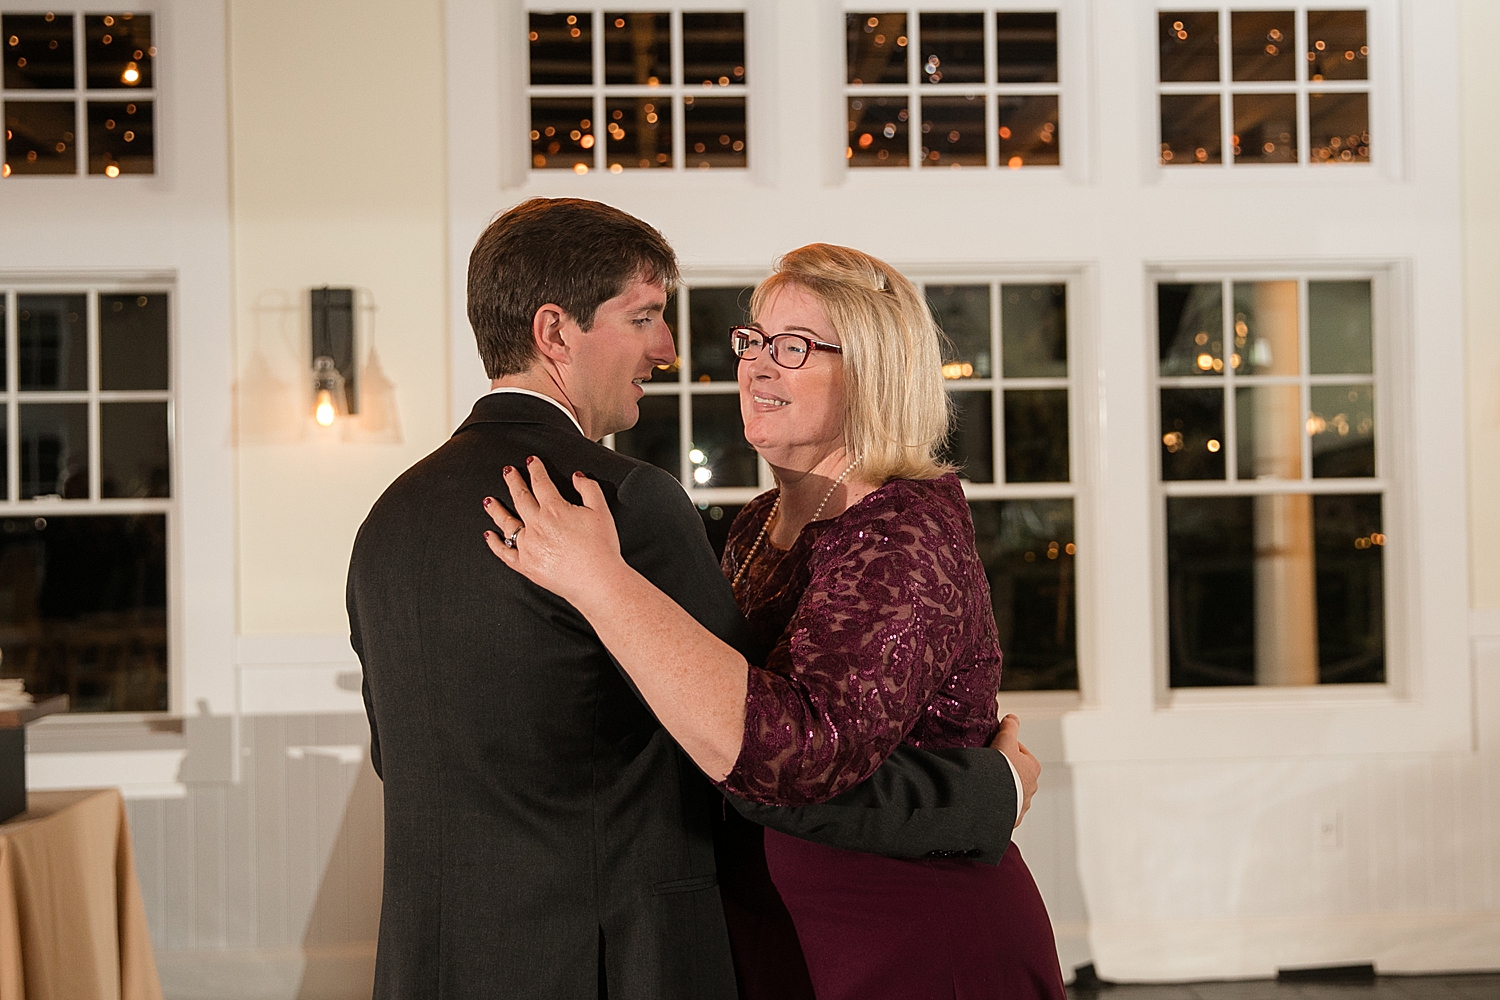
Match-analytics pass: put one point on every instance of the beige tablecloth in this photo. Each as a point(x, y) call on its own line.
point(72, 921)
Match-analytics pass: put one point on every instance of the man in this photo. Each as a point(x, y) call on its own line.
point(544, 836)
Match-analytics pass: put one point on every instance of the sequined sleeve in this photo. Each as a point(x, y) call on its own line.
point(869, 645)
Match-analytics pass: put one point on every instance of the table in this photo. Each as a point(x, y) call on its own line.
point(72, 920)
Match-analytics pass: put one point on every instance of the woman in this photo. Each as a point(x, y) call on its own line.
point(861, 569)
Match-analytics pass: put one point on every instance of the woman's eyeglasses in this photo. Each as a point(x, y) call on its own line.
point(789, 350)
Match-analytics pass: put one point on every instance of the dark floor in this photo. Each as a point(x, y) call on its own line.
point(1456, 987)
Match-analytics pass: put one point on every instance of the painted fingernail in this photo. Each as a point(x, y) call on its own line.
point(508, 469)
point(579, 475)
point(530, 459)
point(488, 501)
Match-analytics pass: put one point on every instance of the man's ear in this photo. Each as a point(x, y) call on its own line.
point(547, 333)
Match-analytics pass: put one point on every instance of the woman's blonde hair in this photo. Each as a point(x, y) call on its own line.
point(896, 412)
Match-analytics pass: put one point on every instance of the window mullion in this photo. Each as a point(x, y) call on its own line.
point(1231, 409)
point(1226, 100)
point(1304, 382)
point(94, 415)
point(12, 404)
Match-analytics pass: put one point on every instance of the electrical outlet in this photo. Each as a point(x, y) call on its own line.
point(1331, 829)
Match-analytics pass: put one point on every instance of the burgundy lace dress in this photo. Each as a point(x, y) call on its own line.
point(881, 632)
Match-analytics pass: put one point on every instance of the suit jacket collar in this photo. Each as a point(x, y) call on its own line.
point(515, 407)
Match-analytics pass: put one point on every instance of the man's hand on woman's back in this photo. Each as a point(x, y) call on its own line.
point(1028, 768)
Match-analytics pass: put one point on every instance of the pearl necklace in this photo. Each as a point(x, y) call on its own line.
point(776, 506)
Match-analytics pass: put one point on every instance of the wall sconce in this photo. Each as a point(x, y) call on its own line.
point(335, 390)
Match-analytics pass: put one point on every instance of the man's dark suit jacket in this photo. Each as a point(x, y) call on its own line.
point(544, 836)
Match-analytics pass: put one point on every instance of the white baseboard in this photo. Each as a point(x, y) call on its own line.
point(139, 774)
point(342, 972)
point(1162, 951)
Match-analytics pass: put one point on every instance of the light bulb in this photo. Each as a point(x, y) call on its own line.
point(324, 412)
point(131, 75)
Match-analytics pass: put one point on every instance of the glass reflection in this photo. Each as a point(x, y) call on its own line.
point(1350, 545)
point(1263, 44)
point(1342, 427)
point(562, 48)
point(133, 351)
point(962, 312)
point(39, 138)
point(952, 48)
point(639, 132)
point(1026, 47)
point(85, 612)
point(714, 130)
point(713, 49)
point(55, 450)
point(562, 136)
point(1190, 129)
point(1036, 436)
point(877, 132)
point(1188, 46)
point(1265, 128)
point(1339, 328)
point(1339, 127)
point(1034, 330)
point(1028, 550)
point(953, 131)
point(638, 48)
point(1028, 130)
point(38, 51)
point(1338, 47)
point(719, 434)
point(1192, 434)
point(1190, 328)
point(875, 48)
point(656, 436)
point(52, 352)
point(134, 450)
point(1266, 322)
point(971, 438)
point(718, 519)
point(122, 137)
point(711, 313)
point(1269, 433)
point(118, 50)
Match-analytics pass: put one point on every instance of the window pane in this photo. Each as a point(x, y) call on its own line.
point(717, 520)
point(38, 51)
point(1350, 544)
point(713, 49)
point(1265, 128)
point(1190, 128)
point(39, 138)
point(714, 130)
point(133, 341)
point(1028, 130)
point(1342, 427)
point(4, 381)
point(656, 436)
point(118, 50)
point(1190, 328)
point(952, 48)
point(1189, 46)
point(1211, 593)
point(1339, 127)
point(719, 434)
point(1192, 434)
point(962, 312)
point(5, 472)
point(83, 603)
point(877, 132)
point(953, 131)
point(1266, 322)
point(55, 450)
point(122, 138)
point(711, 312)
point(1036, 436)
point(640, 132)
point(1028, 552)
point(1339, 328)
point(1269, 428)
point(1263, 44)
point(638, 48)
point(52, 343)
point(1034, 330)
point(134, 450)
point(562, 49)
point(1026, 48)
point(1338, 48)
point(971, 441)
point(876, 51)
point(562, 135)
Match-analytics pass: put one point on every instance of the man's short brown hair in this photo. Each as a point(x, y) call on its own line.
point(573, 253)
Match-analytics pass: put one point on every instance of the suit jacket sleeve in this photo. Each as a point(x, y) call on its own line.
point(357, 641)
point(917, 804)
